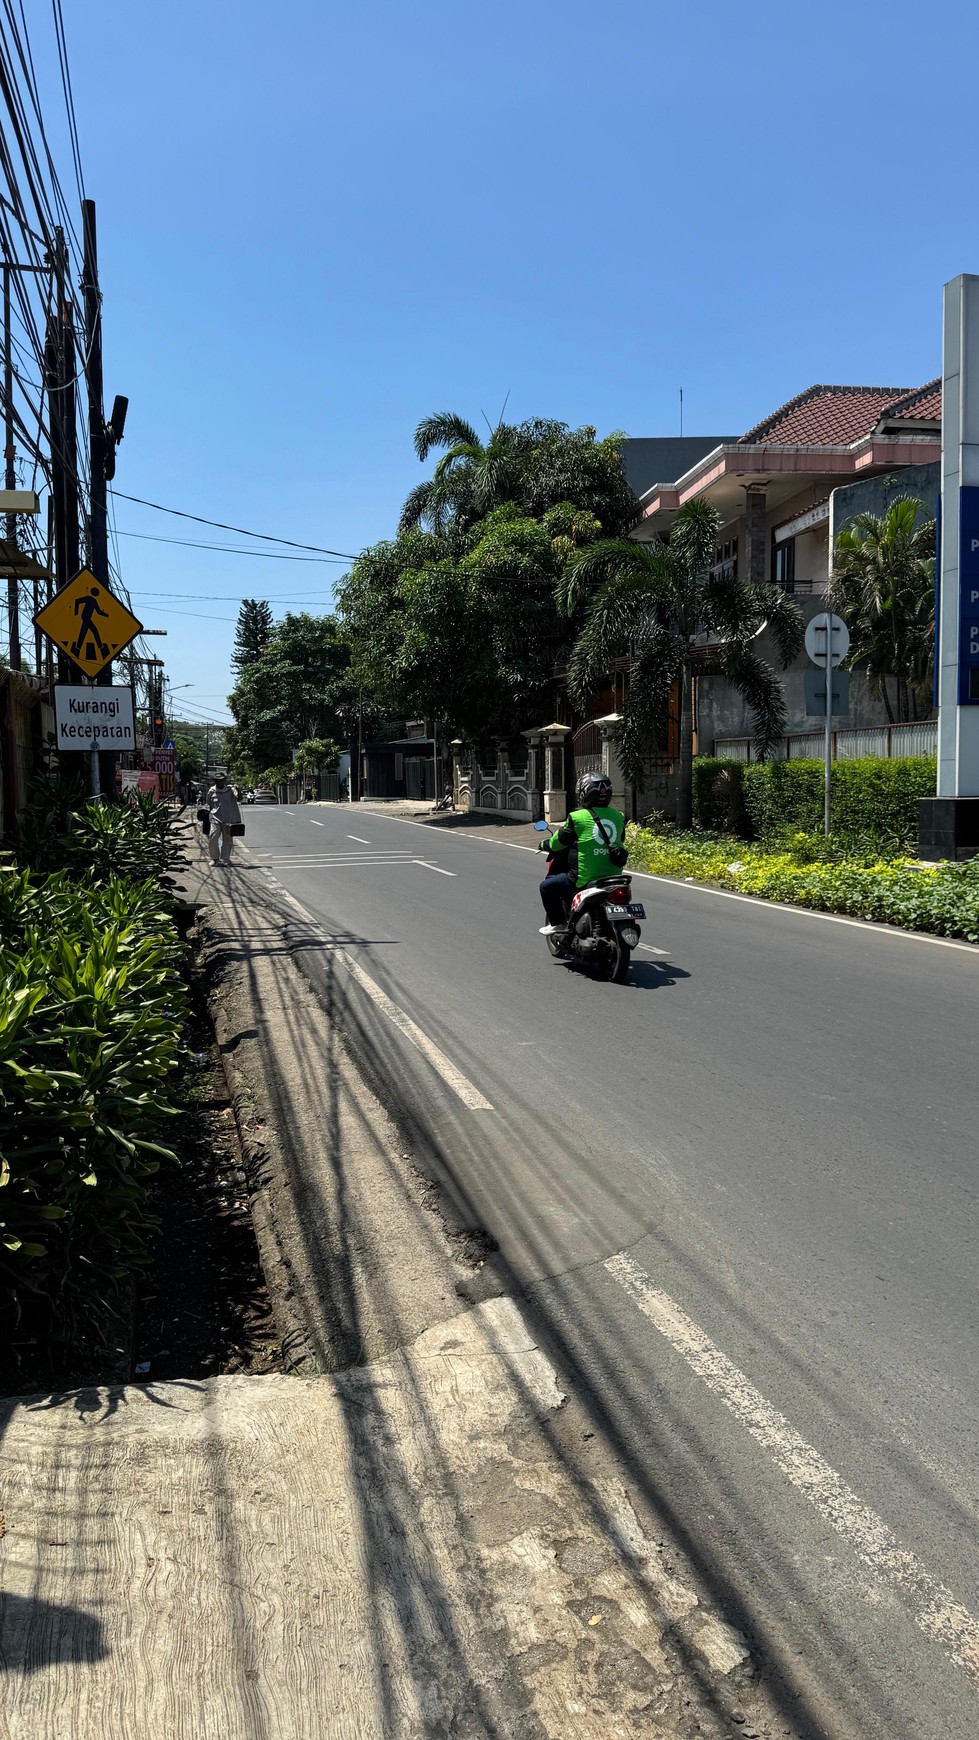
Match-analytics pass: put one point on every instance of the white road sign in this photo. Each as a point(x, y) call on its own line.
point(827, 628)
point(93, 718)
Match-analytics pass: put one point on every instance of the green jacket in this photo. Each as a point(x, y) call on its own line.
point(581, 837)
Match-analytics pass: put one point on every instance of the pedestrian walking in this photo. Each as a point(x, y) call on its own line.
point(225, 815)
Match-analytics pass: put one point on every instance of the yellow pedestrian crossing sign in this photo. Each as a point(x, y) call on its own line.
point(88, 623)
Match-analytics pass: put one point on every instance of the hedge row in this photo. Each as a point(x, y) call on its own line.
point(874, 799)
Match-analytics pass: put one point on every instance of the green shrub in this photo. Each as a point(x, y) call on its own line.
point(62, 829)
point(92, 1008)
point(943, 898)
point(718, 796)
point(874, 800)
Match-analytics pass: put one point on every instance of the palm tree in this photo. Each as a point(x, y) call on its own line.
point(883, 586)
point(471, 476)
point(661, 604)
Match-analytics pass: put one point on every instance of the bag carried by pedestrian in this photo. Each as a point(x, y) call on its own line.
point(204, 817)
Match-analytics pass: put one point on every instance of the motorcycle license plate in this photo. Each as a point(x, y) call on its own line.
point(636, 910)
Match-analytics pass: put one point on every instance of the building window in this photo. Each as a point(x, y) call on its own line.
point(783, 564)
point(725, 564)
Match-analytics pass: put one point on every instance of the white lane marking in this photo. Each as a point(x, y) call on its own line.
point(864, 924)
point(935, 1610)
point(317, 824)
point(356, 837)
point(321, 861)
point(649, 950)
point(426, 866)
point(459, 1083)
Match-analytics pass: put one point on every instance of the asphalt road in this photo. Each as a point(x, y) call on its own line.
point(739, 1194)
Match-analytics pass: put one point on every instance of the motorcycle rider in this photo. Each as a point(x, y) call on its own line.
point(587, 836)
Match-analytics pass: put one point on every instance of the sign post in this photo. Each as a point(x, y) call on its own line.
point(827, 643)
point(949, 822)
point(90, 624)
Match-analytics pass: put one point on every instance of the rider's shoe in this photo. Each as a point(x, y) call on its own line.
point(553, 929)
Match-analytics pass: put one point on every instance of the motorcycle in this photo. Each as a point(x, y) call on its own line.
point(602, 925)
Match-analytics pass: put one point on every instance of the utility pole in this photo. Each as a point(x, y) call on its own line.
point(100, 446)
point(10, 475)
point(59, 369)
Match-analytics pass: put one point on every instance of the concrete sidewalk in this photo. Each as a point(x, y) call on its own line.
point(401, 1546)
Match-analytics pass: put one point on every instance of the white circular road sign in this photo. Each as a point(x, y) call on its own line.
point(827, 632)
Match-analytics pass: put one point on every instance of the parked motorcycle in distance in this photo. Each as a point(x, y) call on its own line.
point(602, 925)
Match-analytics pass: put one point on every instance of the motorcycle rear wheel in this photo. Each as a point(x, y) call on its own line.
point(622, 962)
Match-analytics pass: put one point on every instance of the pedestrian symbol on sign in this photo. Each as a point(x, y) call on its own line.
point(89, 648)
point(88, 623)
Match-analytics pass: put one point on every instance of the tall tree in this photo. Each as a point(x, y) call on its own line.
point(883, 586)
point(661, 604)
point(465, 632)
point(535, 465)
point(253, 633)
point(298, 688)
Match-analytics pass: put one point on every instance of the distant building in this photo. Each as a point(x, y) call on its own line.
point(783, 490)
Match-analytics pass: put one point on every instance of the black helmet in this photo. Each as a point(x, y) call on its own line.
point(594, 791)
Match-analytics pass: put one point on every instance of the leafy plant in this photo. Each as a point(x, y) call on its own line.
point(62, 829)
point(92, 1008)
point(883, 586)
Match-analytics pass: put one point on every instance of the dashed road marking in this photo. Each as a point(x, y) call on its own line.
point(453, 1077)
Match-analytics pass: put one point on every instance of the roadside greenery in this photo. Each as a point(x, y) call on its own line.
point(665, 607)
point(296, 688)
point(809, 871)
point(456, 619)
point(874, 799)
point(883, 586)
point(92, 1012)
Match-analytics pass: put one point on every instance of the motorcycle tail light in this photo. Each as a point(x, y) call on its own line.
point(619, 895)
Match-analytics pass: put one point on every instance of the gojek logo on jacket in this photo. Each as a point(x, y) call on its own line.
point(610, 837)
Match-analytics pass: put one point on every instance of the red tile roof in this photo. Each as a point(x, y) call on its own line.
point(924, 405)
point(826, 416)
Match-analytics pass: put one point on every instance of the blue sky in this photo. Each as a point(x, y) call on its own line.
point(319, 222)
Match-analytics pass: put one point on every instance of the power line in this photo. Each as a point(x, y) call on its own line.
point(59, 30)
point(231, 597)
point(180, 514)
point(235, 549)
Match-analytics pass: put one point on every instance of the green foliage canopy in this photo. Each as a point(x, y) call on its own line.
point(662, 604)
point(299, 688)
point(465, 630)
point(883, 586)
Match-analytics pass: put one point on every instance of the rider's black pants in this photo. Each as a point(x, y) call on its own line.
point(556, 892)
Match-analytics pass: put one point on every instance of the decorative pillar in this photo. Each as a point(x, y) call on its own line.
point(555, 792)
point(535, 775)
point(455, 748)
point(755, 539)
point(502, 770)
point(611, 760)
